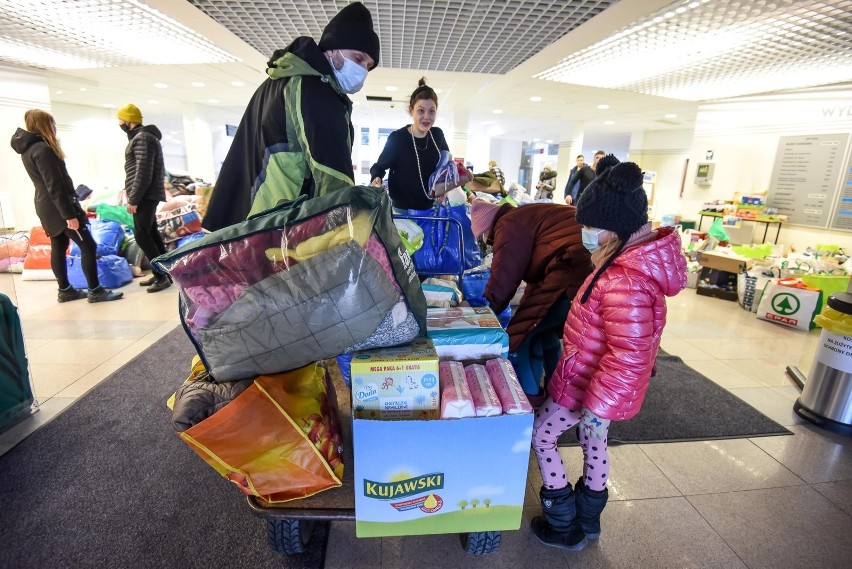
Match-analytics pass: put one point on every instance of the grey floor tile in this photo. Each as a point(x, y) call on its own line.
point(664, 532)
point(780, 527)
point(345, 551)
point(813, 454)
point(76, 329)
point(517, 549)
point(840, 493)
point(633, 476)
point(771, 403)
point(706, 467)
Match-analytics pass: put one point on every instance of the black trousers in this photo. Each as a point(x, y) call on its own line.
point(88, 249)
point(145, 230)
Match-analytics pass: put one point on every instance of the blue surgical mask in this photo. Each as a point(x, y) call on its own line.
point(351, 76)
point(590, 238)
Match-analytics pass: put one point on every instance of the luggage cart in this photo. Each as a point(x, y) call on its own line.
point(290, 525)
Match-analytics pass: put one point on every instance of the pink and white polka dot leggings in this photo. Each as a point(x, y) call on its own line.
point(551, 420)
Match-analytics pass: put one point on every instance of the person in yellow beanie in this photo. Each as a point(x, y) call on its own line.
point(295, 137)
point(144, 173)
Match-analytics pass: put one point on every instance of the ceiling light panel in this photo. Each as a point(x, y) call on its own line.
point(484, 36)
point(83, 34)
point(720, 48)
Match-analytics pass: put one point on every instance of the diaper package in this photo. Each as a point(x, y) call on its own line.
point(508, 388)
point(485, 400)
point(456, 400)
point(466, 333)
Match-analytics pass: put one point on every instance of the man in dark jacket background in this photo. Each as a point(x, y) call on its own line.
point(295, 137)
point(144, 174)
point(540, 244)
point(582, 176)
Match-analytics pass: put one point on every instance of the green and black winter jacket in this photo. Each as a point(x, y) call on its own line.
point(295, 138)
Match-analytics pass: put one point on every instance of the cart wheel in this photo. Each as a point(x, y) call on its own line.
point(289, 536)
point(480, 542)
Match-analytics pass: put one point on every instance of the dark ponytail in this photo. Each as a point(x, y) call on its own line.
point(423, 91)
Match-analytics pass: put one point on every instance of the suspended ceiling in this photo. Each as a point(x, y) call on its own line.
point(519, 69)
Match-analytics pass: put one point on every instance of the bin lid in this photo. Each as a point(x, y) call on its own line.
point(841, 301)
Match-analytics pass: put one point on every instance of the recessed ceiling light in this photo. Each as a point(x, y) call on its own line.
point(536, 139)
point(108, 105)
point(549, 141)
point(609, 122)
point(603, 107)
point(154, 101)
point(497, 111)
point(535, 99)
point(173, 132)
point(671, 116)
point(161, 86)
point(391, 88)
point(437, 91)
point(83, 89)
point(213, 101)
point(198, 84)
point(238, 84)
point(59, 92)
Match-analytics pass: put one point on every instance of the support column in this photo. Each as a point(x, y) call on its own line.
point(198, 141)
point(569, 147)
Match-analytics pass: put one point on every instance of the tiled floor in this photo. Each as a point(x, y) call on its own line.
point(773, 502)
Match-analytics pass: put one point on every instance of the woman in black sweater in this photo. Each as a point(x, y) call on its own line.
point(412, 152)
point(57, 206)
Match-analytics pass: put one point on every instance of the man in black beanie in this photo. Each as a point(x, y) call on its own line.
point(295, 137)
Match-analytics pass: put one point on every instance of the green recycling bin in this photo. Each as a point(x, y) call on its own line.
point(827, 393)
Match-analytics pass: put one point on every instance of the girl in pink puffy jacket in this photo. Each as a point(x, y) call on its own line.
point(610, 342)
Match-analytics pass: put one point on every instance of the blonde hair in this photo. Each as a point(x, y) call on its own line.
point(41, 122)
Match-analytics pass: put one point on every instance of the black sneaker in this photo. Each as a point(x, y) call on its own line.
point(161, 282)
point(102, 294)
point(149, 282)
point(70, 293)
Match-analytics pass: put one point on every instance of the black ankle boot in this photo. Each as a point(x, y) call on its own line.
point(558, 527)
point(161, 282)
point(590, 504)
point(149, 281)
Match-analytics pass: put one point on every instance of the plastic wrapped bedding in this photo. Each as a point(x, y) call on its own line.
point(305, 281)
point(466, 333)
point(456, 400)
point(485, 400)
point(508, 388)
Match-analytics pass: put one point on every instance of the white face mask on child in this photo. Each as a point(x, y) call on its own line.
point(351, 76)
point(590, 238)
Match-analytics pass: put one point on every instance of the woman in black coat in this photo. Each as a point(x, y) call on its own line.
point(57, 206)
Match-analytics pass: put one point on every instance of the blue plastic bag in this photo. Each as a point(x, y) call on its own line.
point(344, 362)
point(108, 236)
point(113, 271)
point(440, 254)
point(190, 238)
point(473, 286)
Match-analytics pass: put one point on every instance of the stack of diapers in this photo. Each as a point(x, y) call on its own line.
point(456, 400)
point(508, 388)
point(485, 400)
point(440, 293)
point(466, 333)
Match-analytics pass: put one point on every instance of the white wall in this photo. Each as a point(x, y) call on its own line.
point(19, 91)
point(743, 135)
point(507, 154)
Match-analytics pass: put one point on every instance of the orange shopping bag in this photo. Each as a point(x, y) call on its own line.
point(279, 439)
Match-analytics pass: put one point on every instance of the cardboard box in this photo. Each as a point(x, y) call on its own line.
point(400, 382)
point(466, 333)
point(729, 263)
point(440, 476)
